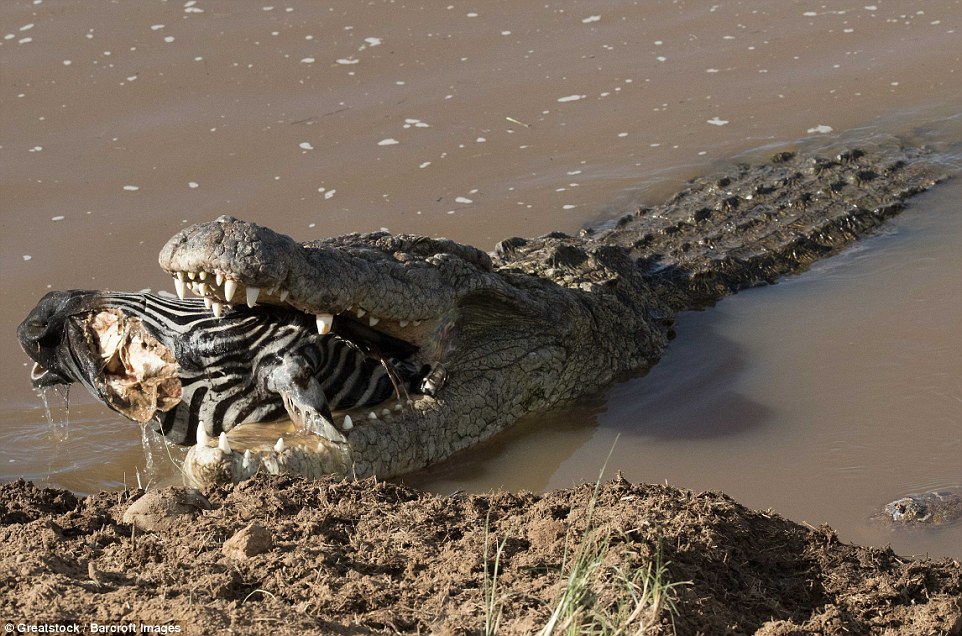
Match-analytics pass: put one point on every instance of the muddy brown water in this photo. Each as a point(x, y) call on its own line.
point(821, 397)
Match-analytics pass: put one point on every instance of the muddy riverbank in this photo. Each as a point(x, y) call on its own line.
point(376, 557)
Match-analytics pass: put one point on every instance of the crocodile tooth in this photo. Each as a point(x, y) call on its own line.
point(180, 286)
point(417, 323)
point(219, 279)
point(373, 320)
point(279, 446)
point(360, 312)
point(372, 415)
point(283, 295)
point(403, 323)
point(324, 322)
point(398, 407)
point(248, 459)
point(252, 294)
point(230, 287)
point(202, 275)
point(208, 302)
point(202, 438)
point(191, 275)
point(217, 308)
point(385, 412)
point(222, 443)
point(202, 289)
point(348, 423)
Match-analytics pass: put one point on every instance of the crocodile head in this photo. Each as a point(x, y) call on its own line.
point(932, 508)
point(490, 344)
point(499, 343)
point(908, 509)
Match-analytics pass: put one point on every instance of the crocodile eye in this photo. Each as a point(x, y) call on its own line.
point(434, 380)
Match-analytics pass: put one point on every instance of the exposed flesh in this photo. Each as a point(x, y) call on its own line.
point(139, 374)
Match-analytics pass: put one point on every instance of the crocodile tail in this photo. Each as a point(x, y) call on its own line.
point(756, 223)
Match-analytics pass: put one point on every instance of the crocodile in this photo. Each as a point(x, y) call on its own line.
point(931, 508)
point(528, 327)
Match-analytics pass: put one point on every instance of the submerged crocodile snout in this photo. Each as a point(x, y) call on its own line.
point(935, 507)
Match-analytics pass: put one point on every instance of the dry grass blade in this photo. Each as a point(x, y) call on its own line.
point(493, 605)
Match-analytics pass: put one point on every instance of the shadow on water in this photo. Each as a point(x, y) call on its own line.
point(690, 394)
point(523, 457)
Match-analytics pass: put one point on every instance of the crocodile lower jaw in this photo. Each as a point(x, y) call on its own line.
point(275, 448)
point(281, 448)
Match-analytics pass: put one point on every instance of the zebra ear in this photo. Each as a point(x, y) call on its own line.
point(304, 399)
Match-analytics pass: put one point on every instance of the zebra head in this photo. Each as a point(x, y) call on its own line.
point(194, 375)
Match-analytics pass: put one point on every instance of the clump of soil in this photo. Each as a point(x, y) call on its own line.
point(282, 555)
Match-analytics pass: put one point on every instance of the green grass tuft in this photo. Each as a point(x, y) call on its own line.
point(599, 597)
point(493, 604)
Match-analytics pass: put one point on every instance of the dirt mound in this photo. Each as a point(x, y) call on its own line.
point(283, 555)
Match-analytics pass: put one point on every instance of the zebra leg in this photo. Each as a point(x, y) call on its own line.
point(303, 397)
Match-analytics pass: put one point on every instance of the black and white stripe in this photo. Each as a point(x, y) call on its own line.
point(223, 360)
point(350, 378)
